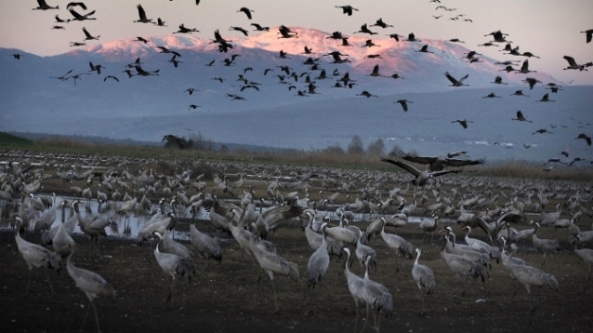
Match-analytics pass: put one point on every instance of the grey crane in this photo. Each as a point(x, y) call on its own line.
point(364, 252)
point(462, 122)
point(530, 276)
point(355, 285)
point(318, 261)
point(544, 245)
point(399, 244)
point(428, 226)
point(48, 217)
point(584, 137)
point(91, 283)
point(273, 264)
point(437, 163)
point(168, 245)
point(422, 177)
point(461, 266)
point(62, 242)
point(36, 256)
point(521, 117)
point(588, 34)
point(207, 247)
point(173, 265)
point(585, 254)
point(424, 278)
point(377, 298)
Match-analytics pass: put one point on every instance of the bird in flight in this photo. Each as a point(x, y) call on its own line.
point(347, 9)
point(455, 82)
point(404, 103)
point(462, 122)
point(589, 34)
point(422, 177)
point(89, 36)
point(142, 16)
point(520, 117)
point(247, 11)
point(584, 137)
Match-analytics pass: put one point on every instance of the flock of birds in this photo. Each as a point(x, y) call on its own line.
point(307, 77)
point(496, 207)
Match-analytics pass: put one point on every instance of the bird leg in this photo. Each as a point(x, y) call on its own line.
point(365, 318)
point(86, 315)
point(422, 298)
point(28, 282)
point(53, 294)
point(275, 300)
point(96, 316)
point(356, 320)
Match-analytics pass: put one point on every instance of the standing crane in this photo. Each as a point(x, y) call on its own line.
point(36, 256)
point(272, 264)
point(174, 265)
point(91, 283)
point(424, 278)
point(318, 261)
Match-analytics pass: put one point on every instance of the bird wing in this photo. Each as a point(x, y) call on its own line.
point(452, 79)
point(402, 165)
point(141, 13)
point(419, 159)
point(86, 33)
point(570, 60)
point(461, 162)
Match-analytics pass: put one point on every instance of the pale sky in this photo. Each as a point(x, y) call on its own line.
point(549, 29)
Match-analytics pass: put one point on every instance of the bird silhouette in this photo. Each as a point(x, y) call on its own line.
point(366, 94)
point(498, 80)
point(588, 35)
point(243, 31)
point(259, 27)
point(42, 5)
point(584, 137)
point(424, 49)
point(247, 11)
point(421, 177)
point(572, 64)
point(462, 122)
point(546, 98)
point(520, 117)
point(142, 16)
point(347, 9)
point(455, 82)
point(110, 77)
point(542, 131)
point(403, 103)
point(380, 23)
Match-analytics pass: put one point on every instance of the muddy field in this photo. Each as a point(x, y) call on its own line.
point(230, 297)
point(234, 296)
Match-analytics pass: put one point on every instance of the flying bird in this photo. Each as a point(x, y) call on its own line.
point(110, 77)
point(380, 23)
point(584, 137)
point(542, 131)
point(259, 27)
point(589, 34)
point(247, 11)
point(89, 36)
point(520, 117)
point(142, 16)
point(184, 30)
point(424, 49)
point(243, 31)
point(422, 177)
point(366, 94)
point(404, 103)
point(455, 82)
point(193, 106)
point(437, 163)
point(462, 122)
point(572, 64)
point(347, 9)
point(519, 93)
point(42, 5)
point(546, 98)
point(140, 39)
point(498, 80)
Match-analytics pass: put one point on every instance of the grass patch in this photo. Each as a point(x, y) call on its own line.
point(7, 139)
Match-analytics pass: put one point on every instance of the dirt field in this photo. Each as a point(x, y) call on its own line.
point(229, 298)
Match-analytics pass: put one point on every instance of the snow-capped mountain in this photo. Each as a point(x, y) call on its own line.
point(270, 88)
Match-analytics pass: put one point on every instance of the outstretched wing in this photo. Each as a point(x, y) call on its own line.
point(402, 165)
point(461, 162)
point(452, 79)
point(419, 159)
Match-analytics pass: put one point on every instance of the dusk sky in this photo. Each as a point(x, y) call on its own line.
point(549, 29)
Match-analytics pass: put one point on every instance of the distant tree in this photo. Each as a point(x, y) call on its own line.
point(376, 148)
point(335, 149)
point(224, 148)
point(396, 151)
point(355, 146)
